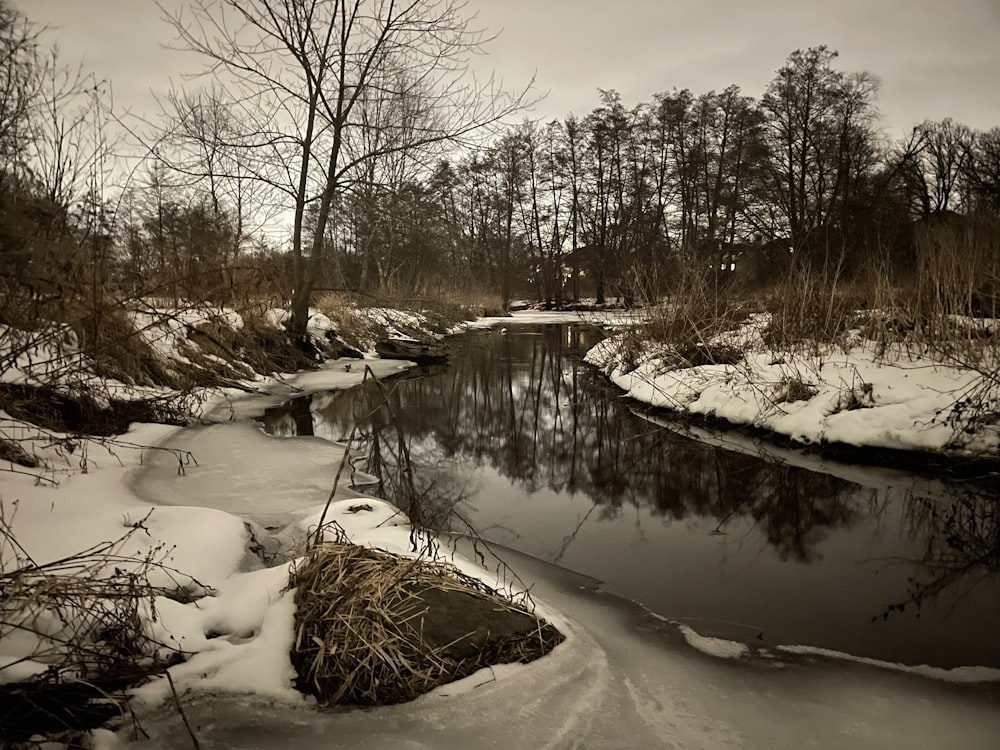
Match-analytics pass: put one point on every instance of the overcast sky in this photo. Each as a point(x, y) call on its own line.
point(936, 58)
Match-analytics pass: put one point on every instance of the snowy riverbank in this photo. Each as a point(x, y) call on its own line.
point(856, 395)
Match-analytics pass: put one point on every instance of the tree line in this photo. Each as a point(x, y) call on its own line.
point(625, 200)
point(342, 144)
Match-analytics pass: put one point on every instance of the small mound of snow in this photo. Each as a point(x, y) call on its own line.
point(718, 647)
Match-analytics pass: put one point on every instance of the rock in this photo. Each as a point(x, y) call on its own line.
point(462, 624)
point(421, 352)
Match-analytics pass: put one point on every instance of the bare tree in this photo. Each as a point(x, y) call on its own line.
point(819, 131)
point(295, 72)
point(986, 171)
point(20, 85)
point(203, 141)
point(942, 163)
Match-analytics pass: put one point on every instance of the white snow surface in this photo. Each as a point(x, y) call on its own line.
point(605, 318)
point(856, 396)
point(719, 647)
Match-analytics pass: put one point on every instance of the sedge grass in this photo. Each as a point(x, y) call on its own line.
point(361, 627)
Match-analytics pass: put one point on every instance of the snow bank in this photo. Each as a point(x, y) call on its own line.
point(165, 328)
point(604, 318)
point(969, 674)
point(855, 397)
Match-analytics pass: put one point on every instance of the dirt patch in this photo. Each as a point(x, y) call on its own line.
point(60, 412)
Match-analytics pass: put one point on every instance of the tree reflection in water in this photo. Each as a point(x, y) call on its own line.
point(524, 407)
point(960, 547)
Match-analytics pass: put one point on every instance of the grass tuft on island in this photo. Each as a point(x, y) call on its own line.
point(373, 628)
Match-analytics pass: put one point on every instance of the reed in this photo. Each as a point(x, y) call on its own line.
point(366, 631)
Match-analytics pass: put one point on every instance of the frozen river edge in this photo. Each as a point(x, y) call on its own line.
point(622, 679)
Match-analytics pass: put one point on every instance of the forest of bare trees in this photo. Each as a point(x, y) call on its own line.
point(341, 145)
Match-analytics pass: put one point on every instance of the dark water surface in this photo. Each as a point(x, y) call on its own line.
point(535, 450)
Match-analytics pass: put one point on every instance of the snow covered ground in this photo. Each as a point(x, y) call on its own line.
point(622, 679)
point(855, 395)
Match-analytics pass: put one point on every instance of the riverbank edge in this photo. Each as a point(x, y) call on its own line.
point(656, 383)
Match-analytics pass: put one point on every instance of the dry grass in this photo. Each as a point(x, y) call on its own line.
point(85, 611)
point(108, 336)
point(931, 311)
point(84, 616)
point(808, 310)
point(353, 329)
point(689, 322)
point(362, 627)
point(447, 298)
point(454, 305)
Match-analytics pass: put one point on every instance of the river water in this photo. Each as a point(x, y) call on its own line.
point(522, 441)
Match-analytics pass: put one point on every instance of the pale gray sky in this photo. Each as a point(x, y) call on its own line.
point(936, 58)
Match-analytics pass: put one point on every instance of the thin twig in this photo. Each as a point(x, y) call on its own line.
point(180, 710)
point(318, 536)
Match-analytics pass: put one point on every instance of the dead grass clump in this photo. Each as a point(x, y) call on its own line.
point(698, 353)
point(374, 628)
point(447, 302)
point(790, 390)
point(58, 411)
point(353, 329)
point(449, 308)
point(108, 336)
point(860, 396)
point(13, 452)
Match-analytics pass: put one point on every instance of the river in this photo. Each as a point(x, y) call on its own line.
point(533, 449)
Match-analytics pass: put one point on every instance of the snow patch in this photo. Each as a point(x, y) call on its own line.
point(967, 674)
point(858, 398)
point(718, 647)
